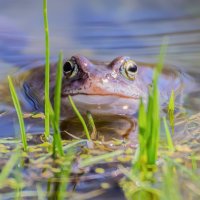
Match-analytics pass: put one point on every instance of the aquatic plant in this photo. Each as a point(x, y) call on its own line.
point(19, 113)
point(144, 162)
point(80, 117)
point(47, 70)
point(169, 138)
point(7, 169)
point(149, 122)
point(55, 114)
point(170, 110)
point(57, 93)
point(94, 134)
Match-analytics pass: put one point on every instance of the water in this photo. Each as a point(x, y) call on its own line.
point(102, 30)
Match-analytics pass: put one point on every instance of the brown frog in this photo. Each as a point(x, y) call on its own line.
point(110, 91)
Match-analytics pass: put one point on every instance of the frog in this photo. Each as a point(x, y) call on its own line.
point(110, 91)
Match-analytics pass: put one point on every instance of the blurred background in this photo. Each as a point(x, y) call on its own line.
point(100, 29)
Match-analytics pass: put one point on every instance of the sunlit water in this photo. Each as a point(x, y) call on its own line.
point(102, 30)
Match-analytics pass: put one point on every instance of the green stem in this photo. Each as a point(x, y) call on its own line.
point(80, 117)
point(19, 113)
point(47, 69)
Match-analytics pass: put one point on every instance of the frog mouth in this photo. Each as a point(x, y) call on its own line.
point(134, 97)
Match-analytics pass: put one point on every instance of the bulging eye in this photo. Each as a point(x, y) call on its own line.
point(70, 68)
point(129, 69)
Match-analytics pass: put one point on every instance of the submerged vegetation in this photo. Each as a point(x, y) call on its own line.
point(56, 168)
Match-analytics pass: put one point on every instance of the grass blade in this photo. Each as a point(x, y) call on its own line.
point(97, 159)
point(153, 141)
point(55, 115)
point(94, 134)
point(149, 121)
point(153, 116)
point(65, 175)
point(47, 69)
point(57, 96)
point(169, 138)
point(57, 141)
point(170, 184)
point(142, 156)
point(19, 113)
point(80, 117)
point(7, 169)
point(171, 108)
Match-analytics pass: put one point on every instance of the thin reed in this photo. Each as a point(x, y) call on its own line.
point(80, 117)
point(169, 138)
point(57, 93)
point(55, 114)
point(7, 169)
point(19, 113)
point(47, 69)
point(171, 109)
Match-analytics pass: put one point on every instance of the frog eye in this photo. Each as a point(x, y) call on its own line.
point(129, 69)
point(70, 69)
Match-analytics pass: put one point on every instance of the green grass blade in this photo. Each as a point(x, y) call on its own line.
point(17, 175)
point(153, 113)
point(65, 175)
point(160, 63)
point(47, 69)
point(153, 143)
point(194, 163)
point(149, 118)
point(94, 134)
point(7, 169)
point(57, 141)
point(183, 169)
point(141, 158)
point(96, 159)
point(171, 108)
point(80, 117)
point(170, 186)
point(55, 115)
point(169, 138)
point(75, 144)
point(149, 121)
point(57, 96)
point(142, 119)
point(19, 113)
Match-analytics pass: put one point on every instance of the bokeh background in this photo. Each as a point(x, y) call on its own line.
point(100, 29)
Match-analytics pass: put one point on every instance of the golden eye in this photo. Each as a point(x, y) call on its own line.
point(70, 69)
point(129, 69)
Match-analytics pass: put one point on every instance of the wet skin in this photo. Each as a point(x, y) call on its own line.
point(109, 90)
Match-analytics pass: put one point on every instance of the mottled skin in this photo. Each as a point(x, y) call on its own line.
point(103, 88)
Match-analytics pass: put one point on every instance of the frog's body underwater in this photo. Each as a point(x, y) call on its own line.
point(110, 91)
